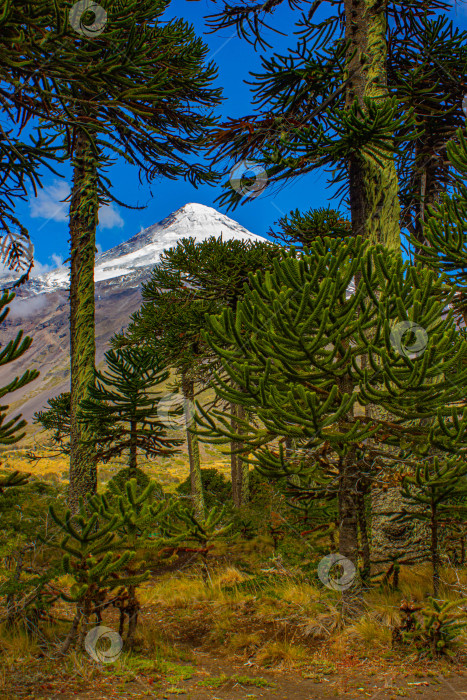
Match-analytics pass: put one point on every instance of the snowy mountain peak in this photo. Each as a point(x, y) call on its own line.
point(141, 252)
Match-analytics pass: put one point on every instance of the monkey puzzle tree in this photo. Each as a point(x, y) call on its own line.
point(293, 353)
point(124, 398)
point(123, 409)
point(21, 162)
point(426, 72)
point(173, 317)
point(130, 85)
point(302, 228)
point(327, 104)
point(434, 485)
point(296, 97)
point(445, 240)
point(215, 272)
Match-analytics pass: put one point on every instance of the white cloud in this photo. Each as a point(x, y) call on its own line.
point(40, 269)
point(23, 308)
point(58, 260)
point(109, 217)
point(49, 205)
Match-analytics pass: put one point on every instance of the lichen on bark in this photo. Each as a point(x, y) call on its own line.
point(373, 186)
point(83, 222)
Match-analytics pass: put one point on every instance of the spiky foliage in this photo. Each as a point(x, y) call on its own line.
point(433, 628)
point(9, 353)
point(324, 105)
point(426, 69)
point(296, 347)
point(203, 534)
point(13, 479)
point(214, 273)
point(216, 269)
point(56, 418)
point(434, 485)
point(339, 59)
point(26, 588)
point(147, 109)
point(301, 229)
point(95, 558)
point(444, 232)
point(21, 162)
point(140, 510)
point(251, 21)
point(141, 518)
point(173, 316)
point(125, 397)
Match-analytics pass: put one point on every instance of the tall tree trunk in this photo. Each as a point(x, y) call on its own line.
point(83, 222)
point(133, 449)
point(243, 470)
point(348, 495)
point(373, 188)
point(188, 388)
point(234, 460)
point(434, 547)
point(348, 528)
point(364, 540)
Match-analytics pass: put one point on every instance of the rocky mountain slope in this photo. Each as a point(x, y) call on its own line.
point(41, 307)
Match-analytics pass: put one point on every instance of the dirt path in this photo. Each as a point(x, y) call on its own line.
point(207, 678)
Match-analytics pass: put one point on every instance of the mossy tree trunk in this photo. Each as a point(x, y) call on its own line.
point(349, 477)
point(373, 187)
point(364, 539)
point(133, 462)
point(83, 222)
point(234, 472)
point(243, 470)
point(434, 546)
point(188, 389)
point(350, 480)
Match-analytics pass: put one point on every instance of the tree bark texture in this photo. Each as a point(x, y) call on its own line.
point(83, 222)
point(133, 448)
point(197, 495)
point(373, 187)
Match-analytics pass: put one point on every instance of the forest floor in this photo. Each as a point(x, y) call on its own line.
point(219, 642)
point(263, 627)
point(205, 677)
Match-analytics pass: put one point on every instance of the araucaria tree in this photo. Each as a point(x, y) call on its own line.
point(434, 486)
point(215, 272)
point(293, 352)
point(124, 398)
point(445, 240)
point(171, 320)
point(327, 104)
point(136, 87)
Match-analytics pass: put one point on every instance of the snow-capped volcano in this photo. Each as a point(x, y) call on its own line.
point(41, 308)
point(143, 251)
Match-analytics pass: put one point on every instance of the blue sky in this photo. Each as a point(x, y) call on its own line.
point(46, 218)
